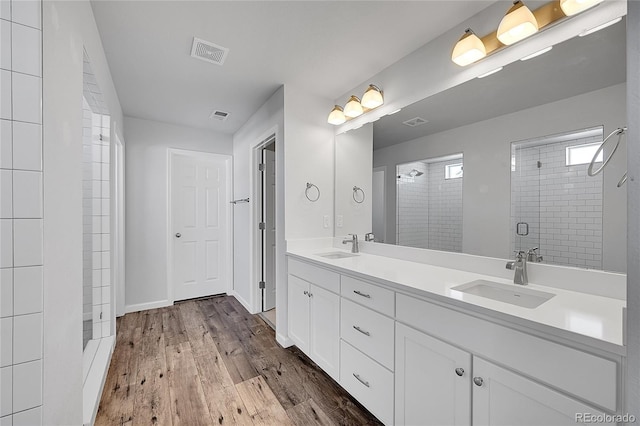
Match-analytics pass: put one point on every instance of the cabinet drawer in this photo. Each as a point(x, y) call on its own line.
point(367, 381)
point(582, 374)
point(370, 295)
point(368, 331)
point(318, 276)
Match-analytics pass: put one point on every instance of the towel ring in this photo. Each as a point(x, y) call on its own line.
point(620, 131)
point(306, 192)
point(622, 180)
point(355, 193)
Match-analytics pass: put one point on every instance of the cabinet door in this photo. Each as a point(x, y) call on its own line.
point(324, 342)
point(507, 398)
point(299, 312)
point(432, 381)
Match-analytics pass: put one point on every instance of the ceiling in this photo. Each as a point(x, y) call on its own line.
point(325, 47)
point(579, 65)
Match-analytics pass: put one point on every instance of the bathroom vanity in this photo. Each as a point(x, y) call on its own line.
point(412, 350)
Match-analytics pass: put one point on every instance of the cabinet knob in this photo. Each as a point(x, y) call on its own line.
point(459, 371)
point(478, 381)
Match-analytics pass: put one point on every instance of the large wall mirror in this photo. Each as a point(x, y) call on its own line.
point(500, 163)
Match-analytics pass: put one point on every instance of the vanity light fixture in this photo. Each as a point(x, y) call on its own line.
point(518, 24)
point(487, 74)
point(336, 116)
point(372, 98)
point(600, 27)
point(573, 7)
point(468, 49)
point(536, 54)
point(353, 108)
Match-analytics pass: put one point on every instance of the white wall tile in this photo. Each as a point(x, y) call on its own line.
point(5, 94)
point(31, 417)
point(27, 194)
point(25, 50)
point(6, 391)
point(27, 290)
point(6, 243)
point(5, 9)
point(26, 12)
point(6, 421)
point(27, 242)
point(27, 338)
point(6, 342)
point(97, 330)
point(6, 144)
point(106, 327)
point(27, 385)
point(6, 292)
point(6, 194)
point(27, 94)
point(5, 45)
point(27, 146)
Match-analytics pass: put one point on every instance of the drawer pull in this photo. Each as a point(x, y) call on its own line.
point(478, 381)
point(361, 381)
point(366, 333)
point(459, 371)
point(359, 293)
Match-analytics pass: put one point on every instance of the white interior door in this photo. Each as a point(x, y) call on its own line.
point(199, 203)
point(269, 205)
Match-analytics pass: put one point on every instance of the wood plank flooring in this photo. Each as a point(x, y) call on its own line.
point(209, 362)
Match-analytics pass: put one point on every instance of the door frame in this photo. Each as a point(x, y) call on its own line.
point(254, 216)
point(228, 159)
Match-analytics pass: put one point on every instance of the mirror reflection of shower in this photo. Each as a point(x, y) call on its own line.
point(96, 206)
point(555, 204)
point(429, 203)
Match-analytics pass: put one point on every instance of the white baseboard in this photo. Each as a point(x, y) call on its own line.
point(283, 341)
point(243, 302)
point(145, 306)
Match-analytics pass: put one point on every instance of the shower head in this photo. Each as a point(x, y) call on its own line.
point(414, 173)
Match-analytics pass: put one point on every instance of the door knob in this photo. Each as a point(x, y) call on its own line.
point(459, 371)
point(178, 235)
point(478, 381)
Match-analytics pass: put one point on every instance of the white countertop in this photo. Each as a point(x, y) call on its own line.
point(598, 318)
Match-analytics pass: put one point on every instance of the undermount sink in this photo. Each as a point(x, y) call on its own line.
point(336, 255)
point(508, 293)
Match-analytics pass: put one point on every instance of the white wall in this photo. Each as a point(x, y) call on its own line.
point(354, 159)
point(146, 177)
point(269, 119)
point(429, 70)
point(67, 28)
point(487, 159)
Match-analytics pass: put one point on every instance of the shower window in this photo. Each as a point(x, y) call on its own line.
point(583, 154)
point(453, 171)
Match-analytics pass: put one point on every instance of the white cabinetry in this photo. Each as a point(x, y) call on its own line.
point(314, 315)
point(433, 381)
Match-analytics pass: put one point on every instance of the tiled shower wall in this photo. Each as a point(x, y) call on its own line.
point(429, 207)
point(562, 203)
point(21, 213)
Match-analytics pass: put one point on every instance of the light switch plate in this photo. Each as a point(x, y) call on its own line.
point(339, 221)
point(326, 221)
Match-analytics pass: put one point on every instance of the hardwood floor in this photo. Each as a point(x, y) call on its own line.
point(209, 362)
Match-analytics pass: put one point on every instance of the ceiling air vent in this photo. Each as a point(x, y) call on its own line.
point(208, 51)
point(415, 122)
point(219, 115)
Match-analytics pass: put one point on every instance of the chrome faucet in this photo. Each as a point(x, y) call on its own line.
point(532, 255)
point(354, 241)
point(520, 267)
point(369, 237)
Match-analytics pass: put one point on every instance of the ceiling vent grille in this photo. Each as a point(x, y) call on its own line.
point(208, 51)
point(219, 115)
point(415, 122)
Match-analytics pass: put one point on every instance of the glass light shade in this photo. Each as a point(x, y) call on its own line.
point(518, 24)
point(336, 116)
point(353, 108)
point(372, 98)
point(468, 49)
point(572, 7)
